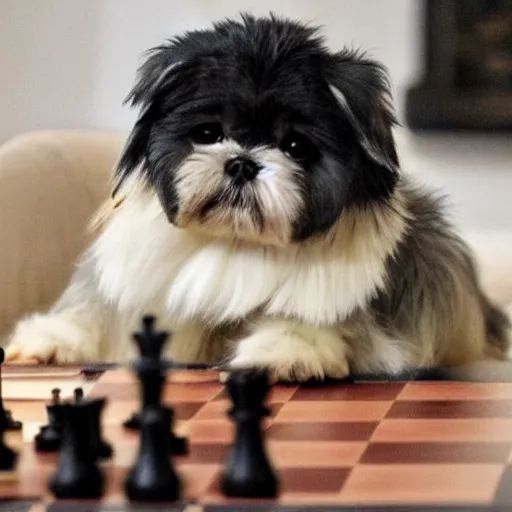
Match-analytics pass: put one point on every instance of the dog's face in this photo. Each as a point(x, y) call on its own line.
point(253, 130)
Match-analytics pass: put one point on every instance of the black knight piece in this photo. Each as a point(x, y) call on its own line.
point(78, 475)
point(248, 473)
point(49, 438)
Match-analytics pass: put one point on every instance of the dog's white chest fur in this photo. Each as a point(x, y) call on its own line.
point(146, 264)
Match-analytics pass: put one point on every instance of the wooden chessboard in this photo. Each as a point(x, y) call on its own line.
point(340, 445)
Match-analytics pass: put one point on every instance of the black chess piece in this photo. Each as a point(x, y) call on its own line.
point(248, 472)
point(178, 445)
point(77, 475)
point(151, 370)
point(99, 446)
point(78, 394)
point(8, 457)
point(49, 438)
point(8, 421)
point(133, 422)
point(152, 478)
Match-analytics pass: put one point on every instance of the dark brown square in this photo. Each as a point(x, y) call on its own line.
point(313, 480)
point(301, 480)
point(349, 391)
point(321, 431)
point(435, 453)
point(205, 453)
point(448, 409)
point(186, 410)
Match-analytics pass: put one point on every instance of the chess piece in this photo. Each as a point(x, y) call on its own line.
point(177, 445)
point(7, 420)
point(133, 422)
point(153, 478)
point(248, 473)
point(77, 475)
point(49, 438)
point(8, 457)
point(99, 446)
point(151, 369)
point(78, 394)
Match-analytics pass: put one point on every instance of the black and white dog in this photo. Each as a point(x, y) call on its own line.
point(260, 212)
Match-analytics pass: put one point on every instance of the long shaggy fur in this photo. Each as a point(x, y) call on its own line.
point(260, 212)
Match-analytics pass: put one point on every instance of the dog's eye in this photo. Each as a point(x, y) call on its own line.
point(207, 133)
point(297, 146)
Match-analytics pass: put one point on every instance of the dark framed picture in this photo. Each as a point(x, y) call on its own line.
point(468, 67)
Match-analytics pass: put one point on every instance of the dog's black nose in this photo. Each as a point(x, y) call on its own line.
point(242, 169)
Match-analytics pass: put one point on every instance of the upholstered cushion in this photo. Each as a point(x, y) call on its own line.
point(51, 182)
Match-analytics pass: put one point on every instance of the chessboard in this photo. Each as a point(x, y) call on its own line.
point(378, 445)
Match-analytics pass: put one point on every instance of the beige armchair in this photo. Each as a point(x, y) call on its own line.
point(51, 183)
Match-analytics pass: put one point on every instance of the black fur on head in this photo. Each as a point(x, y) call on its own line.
point(263, 79)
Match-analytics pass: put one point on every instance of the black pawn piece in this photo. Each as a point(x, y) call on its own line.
point(248, 473)
point(49, 438)
point(99, 446)
point(153, 478)
point(77, 475)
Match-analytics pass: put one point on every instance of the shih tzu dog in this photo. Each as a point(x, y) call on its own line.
point(260, 213)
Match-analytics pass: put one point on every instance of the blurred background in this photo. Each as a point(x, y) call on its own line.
point(70, 63)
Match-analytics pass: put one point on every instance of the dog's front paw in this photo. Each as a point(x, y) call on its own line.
point(293, 352)
point(51, 339)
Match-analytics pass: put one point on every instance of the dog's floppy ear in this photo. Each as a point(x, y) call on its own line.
point(362, 90)
point(158, 73)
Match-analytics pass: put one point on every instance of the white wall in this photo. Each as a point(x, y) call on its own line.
point(70, 63)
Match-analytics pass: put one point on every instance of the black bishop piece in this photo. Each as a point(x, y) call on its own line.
point(152, 478)
point(248, 472)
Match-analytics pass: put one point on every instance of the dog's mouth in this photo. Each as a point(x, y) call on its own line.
point(234, 200)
